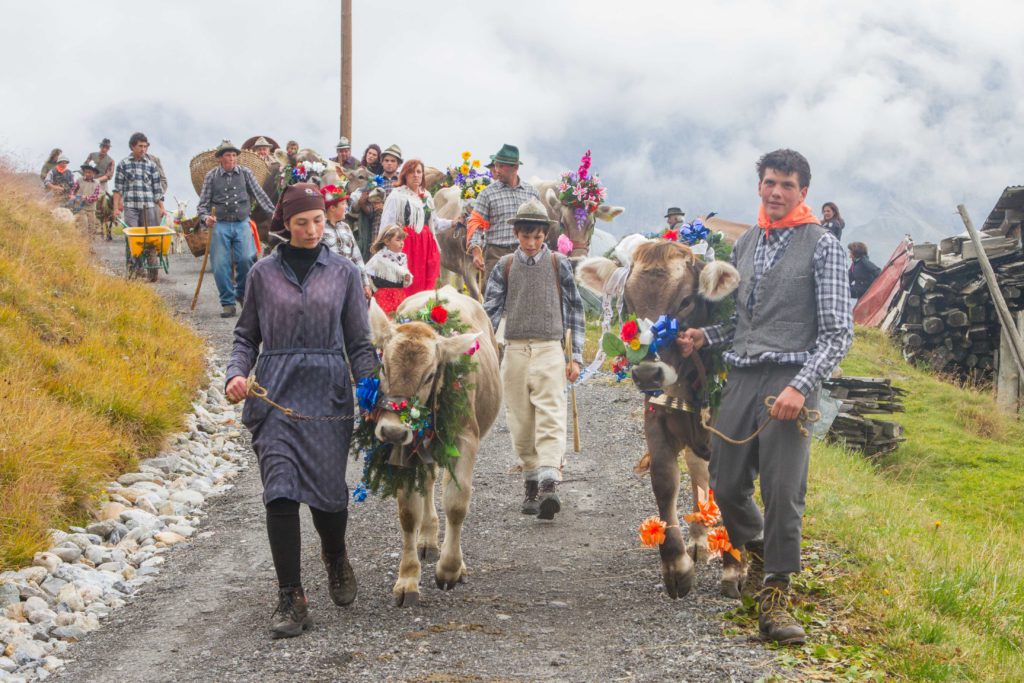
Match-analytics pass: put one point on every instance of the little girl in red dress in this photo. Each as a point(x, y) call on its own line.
point(388, 268)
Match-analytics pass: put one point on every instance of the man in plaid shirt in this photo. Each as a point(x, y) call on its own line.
point(792, 326)
point(138, 193)
point(489, 222)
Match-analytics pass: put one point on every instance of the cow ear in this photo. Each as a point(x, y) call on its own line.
point(452, 349)
point(609, 213)
point(381, 328)
point(595, 271)
point(551, 199)
point(281, 156)
point(718, 280)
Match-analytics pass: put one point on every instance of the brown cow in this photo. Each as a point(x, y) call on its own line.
point(412, 355)
point(667, 279)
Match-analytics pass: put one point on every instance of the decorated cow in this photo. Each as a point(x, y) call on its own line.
point(665, 289)
point(576, 200)
point(439, 393)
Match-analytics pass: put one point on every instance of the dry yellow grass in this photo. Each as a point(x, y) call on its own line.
point(93, 372)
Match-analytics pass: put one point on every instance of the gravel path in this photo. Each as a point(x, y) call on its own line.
point(576, 599)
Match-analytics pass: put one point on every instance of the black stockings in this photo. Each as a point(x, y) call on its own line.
point(286, 539)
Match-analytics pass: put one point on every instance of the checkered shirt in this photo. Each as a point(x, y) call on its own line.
point(835, 316)
point(573, 317)
point(496, 204)
point(138, 182)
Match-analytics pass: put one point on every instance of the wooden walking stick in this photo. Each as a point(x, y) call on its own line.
point(572, 396)
point(206, 255)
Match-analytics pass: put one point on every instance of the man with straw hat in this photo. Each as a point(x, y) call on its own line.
point(489, 231)
point(344, 157)
point(231, 189)
point(674, 216)
point(390, 159)
point(536, 292)
point(262, 148)
point(59, 180)
point(86, 193)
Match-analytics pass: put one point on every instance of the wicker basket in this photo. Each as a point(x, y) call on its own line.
point(197, 236)
point(202, 164)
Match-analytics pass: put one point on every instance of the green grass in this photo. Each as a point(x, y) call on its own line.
point(931, 535)
point(94, 371)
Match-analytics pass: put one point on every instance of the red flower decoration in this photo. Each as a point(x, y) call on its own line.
point(439, 314)
point(670, 235)
point(629, 331)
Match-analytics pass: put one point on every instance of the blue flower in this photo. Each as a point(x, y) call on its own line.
point(665, 331)
point(359, 493)
point(693, 233)
point(368, 393)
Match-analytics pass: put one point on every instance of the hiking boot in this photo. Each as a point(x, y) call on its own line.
point(228, 312)
point(291, 617)
point(549, 500)
point(531, 505)
point(773, 617)
point(341, 580)
point(755, 567)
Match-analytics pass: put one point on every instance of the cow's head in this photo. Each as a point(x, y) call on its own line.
point(665, 278)
point(357, 179)
point(566, 217)
point(414, 356)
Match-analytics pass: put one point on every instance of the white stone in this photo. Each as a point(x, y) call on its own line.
point(168, 537)
point(189, 497)
point(182, 529)
point(111, 511)
point(34, 575)
point(48, 561)
point(35, 604)
point(69, 596)
point(40, 615)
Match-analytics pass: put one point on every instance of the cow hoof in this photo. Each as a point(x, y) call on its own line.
point(448, 584)
point(678, 584)
point(429, 553)
point(407, 599)
point(730, 589)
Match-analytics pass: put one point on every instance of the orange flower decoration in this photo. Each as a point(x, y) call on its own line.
point(652, 532)
point(718, 543)
point(708, 513)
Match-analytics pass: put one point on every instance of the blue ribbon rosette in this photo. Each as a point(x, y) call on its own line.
point(368, 393)
point(692, 233)
point(665, 331)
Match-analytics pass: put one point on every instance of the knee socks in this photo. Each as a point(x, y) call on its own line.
point(283, 531)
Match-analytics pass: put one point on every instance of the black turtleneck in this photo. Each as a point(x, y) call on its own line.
point(299, 260)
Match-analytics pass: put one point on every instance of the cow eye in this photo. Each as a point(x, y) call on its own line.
point(429, 378)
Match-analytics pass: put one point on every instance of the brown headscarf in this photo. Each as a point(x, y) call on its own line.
point(295, 199)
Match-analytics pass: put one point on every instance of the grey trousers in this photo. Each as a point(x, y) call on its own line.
point(780, 456)
point(134, 217)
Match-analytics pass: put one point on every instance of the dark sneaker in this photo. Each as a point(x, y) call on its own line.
point(228, 312)
point(341, 580)
point(773, 617)
point(754, 551)
point(291, 617)
point(531, 505)
point(549, 500)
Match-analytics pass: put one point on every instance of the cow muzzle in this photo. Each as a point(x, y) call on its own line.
point(392, 430)
point(654, 375)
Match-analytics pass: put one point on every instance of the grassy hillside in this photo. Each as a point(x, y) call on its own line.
point(932, 533)
point(93, 371)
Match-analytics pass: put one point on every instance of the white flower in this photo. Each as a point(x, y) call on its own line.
point(646, 336)
point(414, 413)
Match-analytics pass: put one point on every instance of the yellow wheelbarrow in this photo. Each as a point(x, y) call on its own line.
point(146, 251)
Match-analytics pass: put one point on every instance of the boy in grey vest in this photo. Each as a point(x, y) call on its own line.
point(536, 291)
point(792, 326)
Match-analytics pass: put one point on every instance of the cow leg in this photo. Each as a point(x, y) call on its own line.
point(426, 545)
point(451, 568)
point(699, 482)
point(469, 274)
point(410, 514)
point(734, 573)
point(677, 568)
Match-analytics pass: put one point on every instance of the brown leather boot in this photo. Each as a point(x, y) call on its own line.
point(773, 617)
point(341, 580)
point(550, 503)
point(531, 505)
point(291, 617)
point(754, 551)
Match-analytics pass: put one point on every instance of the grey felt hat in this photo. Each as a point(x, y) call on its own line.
point(674, 211)
point(532, 211)
point(226, 146)
point(508, 154)
point(395, 151)
point(343, 143)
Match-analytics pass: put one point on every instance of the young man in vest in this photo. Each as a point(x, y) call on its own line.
point(791, 328)
point(536, 291)
point(231, 188)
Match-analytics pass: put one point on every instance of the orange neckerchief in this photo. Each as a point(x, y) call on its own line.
point(801, 215)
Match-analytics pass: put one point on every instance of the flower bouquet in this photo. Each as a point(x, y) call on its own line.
point(581, 191)
point(467, 177)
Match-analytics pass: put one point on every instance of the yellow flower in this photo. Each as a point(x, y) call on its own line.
point(469, 194)
point(464, 169)
point(479, 188)
point(476, 163)
point(466, 156)
point(635, 344)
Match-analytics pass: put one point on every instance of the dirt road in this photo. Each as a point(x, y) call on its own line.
point(576, 599)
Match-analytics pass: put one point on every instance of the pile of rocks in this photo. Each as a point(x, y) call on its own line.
point(91, 571)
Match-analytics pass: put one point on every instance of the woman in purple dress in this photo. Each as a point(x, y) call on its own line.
point(304, 312)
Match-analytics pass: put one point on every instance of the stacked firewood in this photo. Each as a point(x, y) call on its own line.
point(858, 398)
point(946, 317)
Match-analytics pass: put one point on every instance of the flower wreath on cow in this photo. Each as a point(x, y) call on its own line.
point(436, 395)
point(667, 289)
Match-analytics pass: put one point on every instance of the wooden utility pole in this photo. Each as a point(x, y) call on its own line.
point(346, 68)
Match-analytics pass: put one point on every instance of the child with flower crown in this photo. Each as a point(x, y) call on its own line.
point(338, 236)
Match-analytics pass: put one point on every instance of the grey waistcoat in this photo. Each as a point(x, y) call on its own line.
point(230, 196)
point(785, 314)
point(532, 303)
